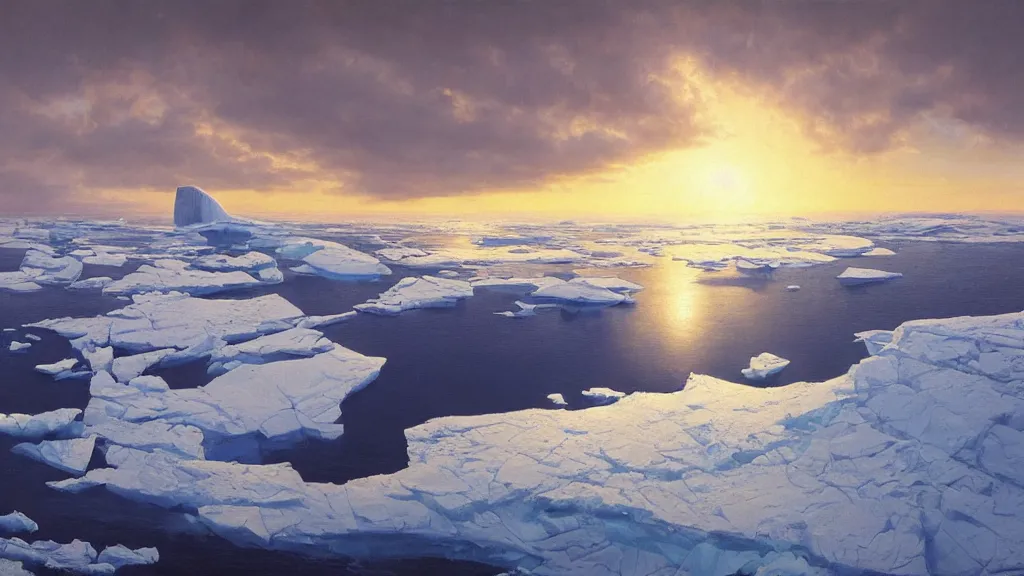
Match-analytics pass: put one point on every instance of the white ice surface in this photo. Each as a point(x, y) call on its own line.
point(411, 293)
point(96, 282)
point(249, 262)
point(176, 439)
point(601, 395)
point(174, 275)
point(57, 367)
point(18, 282)
point(71, 456)
point(854, 276)
point(16, 522)
point(879, 252)
point(120, 556)
point(764, 365)
point(293, 343)
point(792, 288)
point(331, 259)
point(124, 368)
point(16, 346)
point(13, 568)
point(557, 399)
point(46, 269)
point(76, 557)
point(38, 425)
point(318, 321)
point(155, 321)
point(579, 293)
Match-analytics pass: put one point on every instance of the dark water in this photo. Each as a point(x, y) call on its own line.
point(466, 360)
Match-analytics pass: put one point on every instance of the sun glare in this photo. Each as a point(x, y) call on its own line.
point(725, 188)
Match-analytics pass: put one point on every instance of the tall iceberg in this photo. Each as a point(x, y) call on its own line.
point(194, 206)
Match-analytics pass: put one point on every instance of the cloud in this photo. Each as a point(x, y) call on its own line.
point(413, 99)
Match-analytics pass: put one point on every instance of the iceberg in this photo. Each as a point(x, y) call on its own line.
point(174, 275)
point(71, 456)
point(194, 206)
point(412, 293)
point(38, 425)
point(792, 288)
point(17, 522)
point(19, 346)
point(764, 365)
point(856, 276)
point(331, 259)
point(603, 395)
point(120, 556)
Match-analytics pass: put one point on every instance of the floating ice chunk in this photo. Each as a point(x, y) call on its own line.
point(764, 365)
point(792, 288)
point(874, 340)
point(19, 282)
point(39, 425)
point(448, 273)
point(194, 206)
point(33, 337)
point(77, 557)
point(99, 359)
point(71, 456)
point(318, 321)
point(282, 400)
point(879, 252)
point(579, 293)
point(17, 522)
point(178, 439)
point(57, 367)
point(525, 310)
point(613, 284)
point(518, 284)
point(603, 395)
point(270, 276)
point(249, 262)
point(120, 556)
point(747, 267)
point(412, 293)
point(13, 568)
point(293, 343)
point(331, 259)
point(397, 253)
point(172, 275)
point(557, 400)
point(19, 346)
point(125, 368)
point(46, 269)
point(854, 276)
point(105, 259)
point(91, 283)
point(176, 320)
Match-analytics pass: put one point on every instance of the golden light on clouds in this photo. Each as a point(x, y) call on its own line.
point(759, 160)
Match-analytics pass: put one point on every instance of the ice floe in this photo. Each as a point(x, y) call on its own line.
point(57, 367)
point(525, 310)
point(177, 439)
point(16, 522)
point(293, 343)
point(97, 282)
point(76, 557)
point(318, 321)
point(331, 259)
point(603, 395)
point(764, 365)
point(557, 400)
point(71, 455)
point(13, 568)
point(249, 262)
point(283, 400)
point(46, 269)
point(16, 346)
point(792, 288)
point(175, 320)
point(18, 282)
point(579, 293)
point(38, 425)
point(125, 368)
point(174, 275)
point(854, 276)
point(412, 293)
point(874, 340)
point(879, 252)
point(909, 464)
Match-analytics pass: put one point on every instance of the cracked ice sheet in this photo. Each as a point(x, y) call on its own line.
point(283, 400)
point(909, 464)
point(38, 425)
point(293, 343)
point(76, 557)
point(155, 321)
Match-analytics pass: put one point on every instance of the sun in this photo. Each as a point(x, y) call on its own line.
point(725, 188)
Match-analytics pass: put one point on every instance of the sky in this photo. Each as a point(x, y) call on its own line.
point(557, 108)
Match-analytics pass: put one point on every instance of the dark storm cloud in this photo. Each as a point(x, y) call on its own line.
point(404, 99)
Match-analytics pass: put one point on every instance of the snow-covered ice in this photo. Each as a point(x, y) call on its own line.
point(331, 259)
point(579, 293)
point(557, 400)
point(124, 368)
point(16, 522)
point(855, 276)
point(293, 343)
point(18, 282)
point(412, 293)
point(57, 367)
point(603, 395)
point(71, 455)
point(38, 425)
point(174, 275)
point(16, 346)
point(177, 439)
point(46, 269)
point(764, 365)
